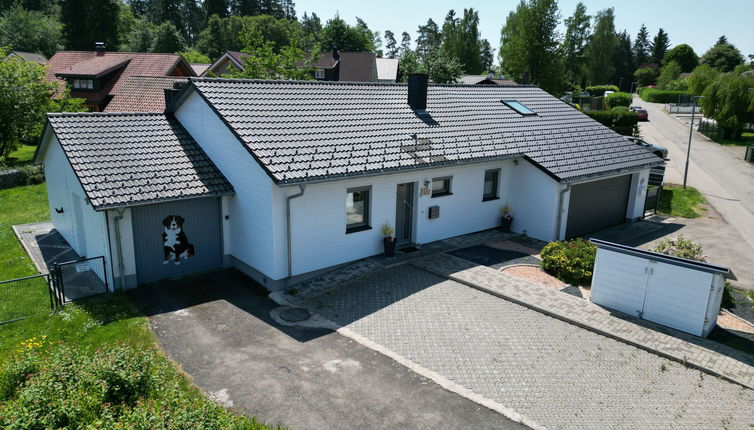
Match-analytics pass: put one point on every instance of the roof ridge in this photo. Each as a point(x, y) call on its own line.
point(95, 114)
point(316, 82)
point(123, 52)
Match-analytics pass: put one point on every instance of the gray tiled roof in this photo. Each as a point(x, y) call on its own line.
point(127, 159)
point(304, 131)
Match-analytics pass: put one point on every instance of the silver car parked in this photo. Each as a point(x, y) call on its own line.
point(657, 150)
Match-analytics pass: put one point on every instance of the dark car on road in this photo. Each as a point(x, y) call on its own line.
point(657, 150)
point(641, 112)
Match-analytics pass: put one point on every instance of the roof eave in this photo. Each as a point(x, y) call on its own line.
point(100, 208)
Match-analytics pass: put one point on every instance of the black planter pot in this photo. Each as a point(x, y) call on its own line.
point(389, 244)
point(506, 224)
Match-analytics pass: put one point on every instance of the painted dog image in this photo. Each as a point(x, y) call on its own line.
point(174, 240)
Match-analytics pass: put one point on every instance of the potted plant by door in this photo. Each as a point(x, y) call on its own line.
point(388, 241)
point(507, 219)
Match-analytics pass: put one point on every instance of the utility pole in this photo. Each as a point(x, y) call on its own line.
point(691, 133)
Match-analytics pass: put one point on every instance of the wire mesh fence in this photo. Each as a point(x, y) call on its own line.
point(25, 297)
point(74, 280)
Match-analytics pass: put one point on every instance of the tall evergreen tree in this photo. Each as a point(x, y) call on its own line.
point(642, 47)
point(574, 44)
point(311, 31)
point(529, 45)
point(390, 44)
point(88, 21)
point(428, 39)
point(600, 52)
point(624, 62)
point(216, 7)
point(461, 40)
point(405, 43)
point(488, 58)
point(659, 47)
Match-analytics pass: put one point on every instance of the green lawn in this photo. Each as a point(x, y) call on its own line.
point(680, 202)
point(22, 155)
point(64, 359)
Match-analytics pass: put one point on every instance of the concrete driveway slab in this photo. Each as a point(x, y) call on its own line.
point(556, 374)
point(218, 327)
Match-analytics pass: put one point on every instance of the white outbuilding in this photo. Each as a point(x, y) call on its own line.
point(676, 292)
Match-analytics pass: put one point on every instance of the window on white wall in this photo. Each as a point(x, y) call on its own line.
point(441, 186)
point(491, 184)
point(357, 209)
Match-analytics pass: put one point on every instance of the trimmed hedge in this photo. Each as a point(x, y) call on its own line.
point(619, 119)
point(599, 90)
point(571, 261)
point(654, 95)
point(29, 174)
point(618, 99)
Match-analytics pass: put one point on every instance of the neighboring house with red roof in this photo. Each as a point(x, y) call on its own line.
point(98, 76)
point(143, 94)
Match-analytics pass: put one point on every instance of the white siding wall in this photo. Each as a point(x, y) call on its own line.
point(319, 224)
point(250, 223)
point(534, 198)
point(81, 226)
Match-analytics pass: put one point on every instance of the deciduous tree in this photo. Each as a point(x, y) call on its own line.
point(670, 72)
point(574, 44)
point(30, 31)
point(729, 102)
point(88, 21)
point(701, 78)
point(684, 55)
point(167, 39)
point(338, 34)
point(723, 56)
point(600, 52)
point(267, 62)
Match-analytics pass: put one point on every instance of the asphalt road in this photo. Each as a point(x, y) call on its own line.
point(727, 182)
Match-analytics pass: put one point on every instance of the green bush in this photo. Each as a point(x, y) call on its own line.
point(58, 386)
point(570, 261)
point(620, 119)
point(618, 99)
point(599, 90)
point(727, 301)
point(679, 246)
point(32, 174)
point(653, 95)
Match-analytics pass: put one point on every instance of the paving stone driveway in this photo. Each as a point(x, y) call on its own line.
point(559, 375)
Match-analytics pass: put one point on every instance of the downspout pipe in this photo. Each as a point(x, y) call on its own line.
point(560, 210)
point(119, 248)
point(300, 193)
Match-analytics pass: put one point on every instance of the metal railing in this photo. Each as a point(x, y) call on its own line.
point(25, 297)
point(78, 279)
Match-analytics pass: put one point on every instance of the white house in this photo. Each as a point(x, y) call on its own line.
point(282, 179)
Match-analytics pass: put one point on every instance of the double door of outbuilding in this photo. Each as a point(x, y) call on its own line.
point(177, 238)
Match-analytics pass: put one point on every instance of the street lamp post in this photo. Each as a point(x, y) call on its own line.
point(691, 133)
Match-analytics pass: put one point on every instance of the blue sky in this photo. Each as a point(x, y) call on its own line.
point(695, 22)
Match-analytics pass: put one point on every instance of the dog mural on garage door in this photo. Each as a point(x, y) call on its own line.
point(175, 243)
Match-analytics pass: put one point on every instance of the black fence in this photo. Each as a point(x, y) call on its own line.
point(652, 201)
point(22, 298)
point(78, 279)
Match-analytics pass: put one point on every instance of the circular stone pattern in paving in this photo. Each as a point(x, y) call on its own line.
point(294, 315)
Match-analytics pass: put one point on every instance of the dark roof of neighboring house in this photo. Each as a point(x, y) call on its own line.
point(199, 68)
point(143, 94)
point(310, 131)
point(135, 63)
point(94, 67)
point(358, 67)
point(129, 159)
point(29, 56)
point(237, 56)
point(324, 60)
point(483, 79)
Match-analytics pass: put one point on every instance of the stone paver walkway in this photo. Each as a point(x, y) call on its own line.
point(557, 374)
point(710, 356)
point(44, 245)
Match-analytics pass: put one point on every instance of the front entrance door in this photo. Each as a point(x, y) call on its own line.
point(404, 213)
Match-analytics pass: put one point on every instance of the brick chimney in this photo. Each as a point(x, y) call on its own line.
point(100, 48)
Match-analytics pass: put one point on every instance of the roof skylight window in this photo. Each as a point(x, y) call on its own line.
point(518, 107)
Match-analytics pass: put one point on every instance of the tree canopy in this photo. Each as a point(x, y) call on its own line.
point(601, 49)
point(729, 102)
point(659, 47)
point(642, 46)
point(723, 56)
point(30, 31)
point(574, 44)
point(684, 55)
point(339, 34)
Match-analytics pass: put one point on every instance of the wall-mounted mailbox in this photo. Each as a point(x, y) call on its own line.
point(434, 212)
